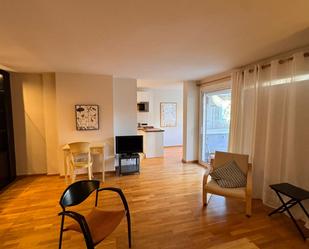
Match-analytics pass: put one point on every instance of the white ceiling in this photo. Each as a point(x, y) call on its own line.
point(158, 39)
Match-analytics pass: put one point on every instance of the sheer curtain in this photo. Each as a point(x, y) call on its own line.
point(270, 122)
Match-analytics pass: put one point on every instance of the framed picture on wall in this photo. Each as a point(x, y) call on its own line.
point(87, 117)
point(168, 114)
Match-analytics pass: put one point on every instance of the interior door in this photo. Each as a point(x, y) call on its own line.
point(7, 155)
point(214, 120)
point(4, 160)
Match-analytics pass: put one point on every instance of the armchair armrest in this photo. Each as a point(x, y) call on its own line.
point(124, 202)
point(249, 181)
point(206, 174)
point(118, 191)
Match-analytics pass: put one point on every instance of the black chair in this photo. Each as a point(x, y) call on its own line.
point(98, 224)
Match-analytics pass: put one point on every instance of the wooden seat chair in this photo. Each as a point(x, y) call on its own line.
point(211, 187)
point(98, 224)
point(80, 157)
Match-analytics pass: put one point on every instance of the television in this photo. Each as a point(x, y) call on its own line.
point(143, 106)
point(129, 144)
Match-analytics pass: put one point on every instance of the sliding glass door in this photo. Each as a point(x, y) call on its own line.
point(214, 120)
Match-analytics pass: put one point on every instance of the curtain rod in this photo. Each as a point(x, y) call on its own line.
point(306, 54)
point(280, 62)
point(214, 80)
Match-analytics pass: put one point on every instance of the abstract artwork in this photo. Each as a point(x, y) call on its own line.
point(168, 114)
point(87, 117)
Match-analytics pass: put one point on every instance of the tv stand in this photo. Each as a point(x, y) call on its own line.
point(130, 168)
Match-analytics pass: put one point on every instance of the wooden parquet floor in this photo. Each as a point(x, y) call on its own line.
point(166, 209)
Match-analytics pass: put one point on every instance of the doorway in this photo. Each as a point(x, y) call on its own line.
point(215, 113)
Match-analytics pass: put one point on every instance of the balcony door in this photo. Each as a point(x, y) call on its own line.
point(215, 112)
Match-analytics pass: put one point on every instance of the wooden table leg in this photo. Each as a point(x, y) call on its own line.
point(65, 168)
point(103, 166)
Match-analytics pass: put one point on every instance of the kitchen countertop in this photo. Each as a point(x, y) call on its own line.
point(150, 129)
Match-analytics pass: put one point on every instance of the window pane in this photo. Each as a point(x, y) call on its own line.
point(216, 122)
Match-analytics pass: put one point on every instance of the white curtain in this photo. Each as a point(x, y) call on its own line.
point(270, 122)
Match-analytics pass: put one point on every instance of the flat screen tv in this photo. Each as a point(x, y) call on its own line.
point(129, 144)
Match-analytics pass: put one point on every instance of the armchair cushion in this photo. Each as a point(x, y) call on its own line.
point(229, 176)
point(213, 188)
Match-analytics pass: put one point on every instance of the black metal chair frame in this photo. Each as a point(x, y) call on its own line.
point(77, 193)
point(287, 205)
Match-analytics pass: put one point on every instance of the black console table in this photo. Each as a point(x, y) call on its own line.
point(123, 169)
point(296, 194)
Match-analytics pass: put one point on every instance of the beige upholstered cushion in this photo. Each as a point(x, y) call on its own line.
point(213, 188)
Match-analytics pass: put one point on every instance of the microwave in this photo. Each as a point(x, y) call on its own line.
point(143, 106)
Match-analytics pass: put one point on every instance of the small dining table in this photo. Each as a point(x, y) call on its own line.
point(95, 149)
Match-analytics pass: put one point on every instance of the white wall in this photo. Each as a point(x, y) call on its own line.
point(172, 135)
point(19, 124)
point(50, 121)
point(44, 116)
point(29, 125)
point(125, 114)
point(72, 89)
point(145, 95)
point(125, 110)
point(190, 121)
